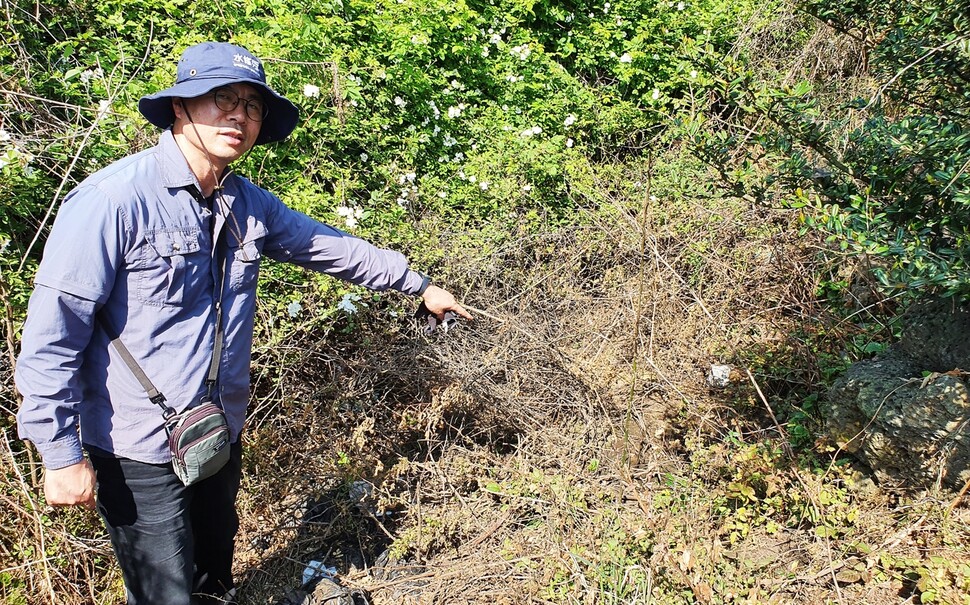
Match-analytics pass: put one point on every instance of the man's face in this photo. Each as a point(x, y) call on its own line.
point(212, 126)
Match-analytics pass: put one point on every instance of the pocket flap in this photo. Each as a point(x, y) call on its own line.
point(173, 243)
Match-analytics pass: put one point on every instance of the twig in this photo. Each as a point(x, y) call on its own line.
point(491, 529)
point(8, 327)
point(36, 518)
point(956, 501)
point(914, 63)
point(798, 477)
point(77, 155)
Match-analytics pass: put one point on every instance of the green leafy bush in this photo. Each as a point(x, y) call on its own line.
point(886, 174)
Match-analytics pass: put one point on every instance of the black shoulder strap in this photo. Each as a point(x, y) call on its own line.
point(154, 395)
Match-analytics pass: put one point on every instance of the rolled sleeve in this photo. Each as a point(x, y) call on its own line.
point(57, 330)
point(85, 246)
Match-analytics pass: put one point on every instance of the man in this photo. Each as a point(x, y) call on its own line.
point(146, 250)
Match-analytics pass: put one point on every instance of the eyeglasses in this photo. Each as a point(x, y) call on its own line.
point(227, 100)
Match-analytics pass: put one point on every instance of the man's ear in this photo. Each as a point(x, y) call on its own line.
point(177, 108)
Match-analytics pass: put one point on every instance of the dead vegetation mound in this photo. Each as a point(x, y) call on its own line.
point(565, 447)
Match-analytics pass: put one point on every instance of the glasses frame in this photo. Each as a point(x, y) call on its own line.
point(256, 109)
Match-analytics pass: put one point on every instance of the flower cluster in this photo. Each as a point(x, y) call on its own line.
point(351, 215)
point(409, 189)
point(521, 52)
point(91, 74)
point(11, 152)
point(347, 305)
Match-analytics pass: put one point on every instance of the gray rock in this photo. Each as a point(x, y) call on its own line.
point(911, 430)
point(936, 335)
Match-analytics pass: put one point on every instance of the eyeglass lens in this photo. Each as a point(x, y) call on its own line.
point(227, 100)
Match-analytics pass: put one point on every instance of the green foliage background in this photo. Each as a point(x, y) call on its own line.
point(483, 122)
point(460, 111)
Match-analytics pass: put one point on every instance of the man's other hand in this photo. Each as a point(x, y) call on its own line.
point(70, 486)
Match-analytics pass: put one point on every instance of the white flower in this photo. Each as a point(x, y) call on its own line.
point(483, 185)
point(527, 188)
point(364, 157)
point(456, 84)
point(569, 142)
point(293, 309)
point(351, 215)
point(347, 305)
point(449, 141)
point(454, 111)
point(680, 6)
point(400, 102)
point(693, 73)
point(4, 135)
point(442, 194)
point(521, 52)
point(569, 121)
point(656, 94)
point(353, 103)
point(103, 107)
point(472, 178)
point(626, 58)
point(495, 39)
point(309, 90)
point(536, 129)
point(526, 133)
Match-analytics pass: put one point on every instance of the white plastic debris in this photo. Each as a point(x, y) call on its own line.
point(719, 376)
point(316, 569)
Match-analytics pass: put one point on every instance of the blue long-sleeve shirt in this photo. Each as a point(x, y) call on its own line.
point(132, 245)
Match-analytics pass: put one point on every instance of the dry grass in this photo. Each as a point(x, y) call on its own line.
point(563, 447)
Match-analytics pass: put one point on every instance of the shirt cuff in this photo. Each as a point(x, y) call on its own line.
point(61, 453)
point(413, 282)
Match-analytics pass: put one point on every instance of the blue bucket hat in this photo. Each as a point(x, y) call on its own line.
point(207, 66)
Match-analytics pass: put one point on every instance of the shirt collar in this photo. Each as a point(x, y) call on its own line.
point(175, 171)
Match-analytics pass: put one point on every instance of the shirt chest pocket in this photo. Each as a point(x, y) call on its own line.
point(243, 259)
point(172, 266)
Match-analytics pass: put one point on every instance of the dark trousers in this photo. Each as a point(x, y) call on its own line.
point(174, 543)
